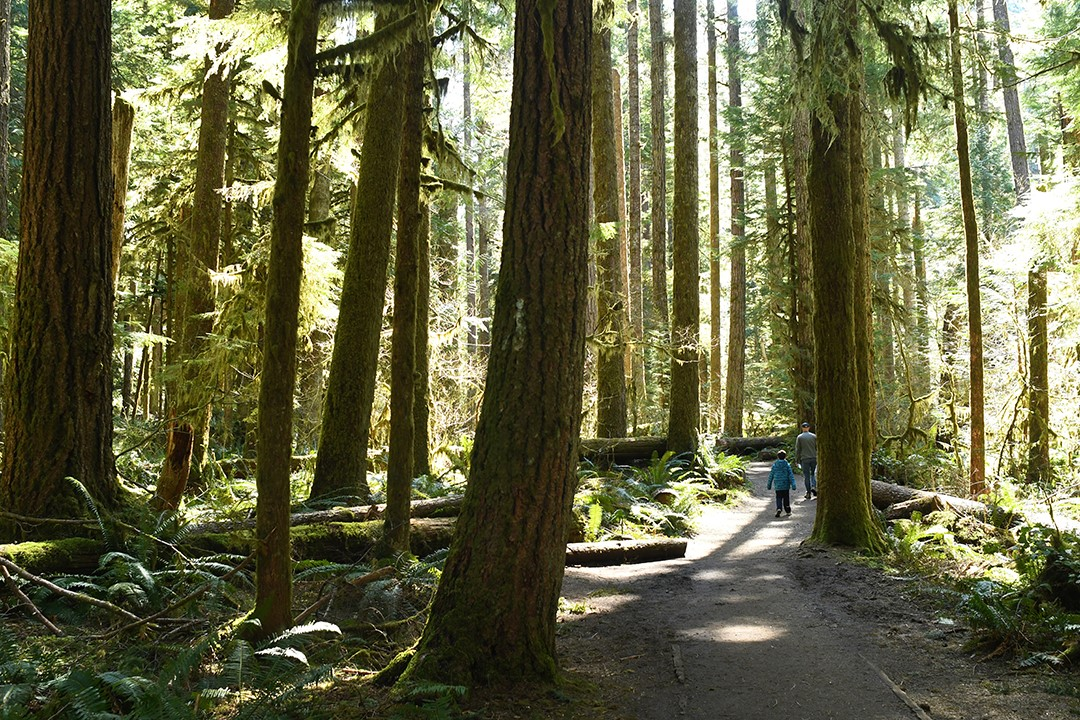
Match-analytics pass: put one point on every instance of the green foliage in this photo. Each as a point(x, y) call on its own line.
point(661, 498)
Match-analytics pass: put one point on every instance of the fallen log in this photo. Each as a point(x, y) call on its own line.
point(430, 507)
point(899, 501)
point(748, 445)
point(605, 452)
point(48, 557)
point(241, 468)
point(621, 552)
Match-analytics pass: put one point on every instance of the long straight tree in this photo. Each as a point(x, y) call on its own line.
point(273, 564)
point(838, 207)
point(633, 216)
point(685, 325)
point(977, 471)
point(658, 172)
point(611, 409)
point(341, 463)
point(399, 471)
point(716, 351)
point(58, 420)
point(736, 350)
point(493, 616)
point(197, 258)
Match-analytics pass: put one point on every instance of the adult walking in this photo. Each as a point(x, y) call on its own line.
point(806, 458)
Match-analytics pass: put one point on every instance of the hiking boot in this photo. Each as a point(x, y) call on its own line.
point(777, 513)
point(806, 496)
point(788, 513)
point(814, 492)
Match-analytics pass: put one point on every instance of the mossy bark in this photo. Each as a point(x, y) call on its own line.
point(685, 324)
point(839, 243)
point(493, 617)
point(273, 564)
point(341, 467)
point(399, 472)
point(611, 408)
point(736, 351)
point(58, 409)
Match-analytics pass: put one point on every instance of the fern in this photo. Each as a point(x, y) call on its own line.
point(88, 499)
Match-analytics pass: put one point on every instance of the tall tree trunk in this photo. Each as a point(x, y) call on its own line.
point(840, 246)
point(633, 146)
point(197, 258)
point(802, 313)
point(273, 564)
point(58, 409)
point(483, 275)
point(1014, 121)
point(493, 616)
point(716, 372)
point(470, 215)
point(1038, 470)
point(5, 115)
point(971, 235)
point(922, 292)
point(736, 365)
point(341, 465)
point(685, 330)
point(611, 413)
point(399, 471)
point(658, 180)
point(123, 122)
point(421, 446)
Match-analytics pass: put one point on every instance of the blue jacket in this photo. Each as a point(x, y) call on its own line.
point(782, 475)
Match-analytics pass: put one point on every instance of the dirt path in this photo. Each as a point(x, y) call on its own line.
point(751, 626)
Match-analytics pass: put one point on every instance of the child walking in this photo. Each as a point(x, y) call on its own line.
point(782, 479)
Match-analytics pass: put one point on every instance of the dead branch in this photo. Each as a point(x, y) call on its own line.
point(14, 587)
point(70, 595)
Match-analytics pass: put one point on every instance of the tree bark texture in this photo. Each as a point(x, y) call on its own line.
point(1014, 120)
point(493, 616)
point(341, 468)
point(470, 212)
point(839, 247)
point(1038, 470)
point(196, 259)
point(633, 219)
point(273, 564)
point(421, 407)
point(611, 411)
point(5, 116)
point(399, 472)
point(58, 409)
point(977, 472)
point(658, 180)
point(716, 371)
point(736, 350)
point(802, 301)
point(123, 122)
point(685, 331)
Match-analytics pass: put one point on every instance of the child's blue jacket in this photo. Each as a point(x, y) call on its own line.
point(782, 475)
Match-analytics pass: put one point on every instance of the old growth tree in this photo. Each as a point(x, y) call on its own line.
point(493, 616)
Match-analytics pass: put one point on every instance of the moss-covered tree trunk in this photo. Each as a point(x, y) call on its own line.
point(421, 408)
point(716, 350)
point(839, 244)
point(685, 330)
point(736, 349)
point(5, 115)
point(1038, 470)
point(341, 465)
point(636, 285)
point(273, 564)
point(658, 217)
point(399, 471)
point(58, 420)
point(977, 471)
point(611, 412)
point(197, 258)
point(493, 617)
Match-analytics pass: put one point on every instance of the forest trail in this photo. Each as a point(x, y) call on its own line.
point(751, 626)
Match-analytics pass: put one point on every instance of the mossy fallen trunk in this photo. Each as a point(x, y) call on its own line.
point(343, 542)
point(68, 555)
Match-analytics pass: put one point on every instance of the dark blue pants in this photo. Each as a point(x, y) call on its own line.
point(783, 500)
point(809, 473)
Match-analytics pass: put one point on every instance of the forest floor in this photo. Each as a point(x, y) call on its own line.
point(752, 624)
